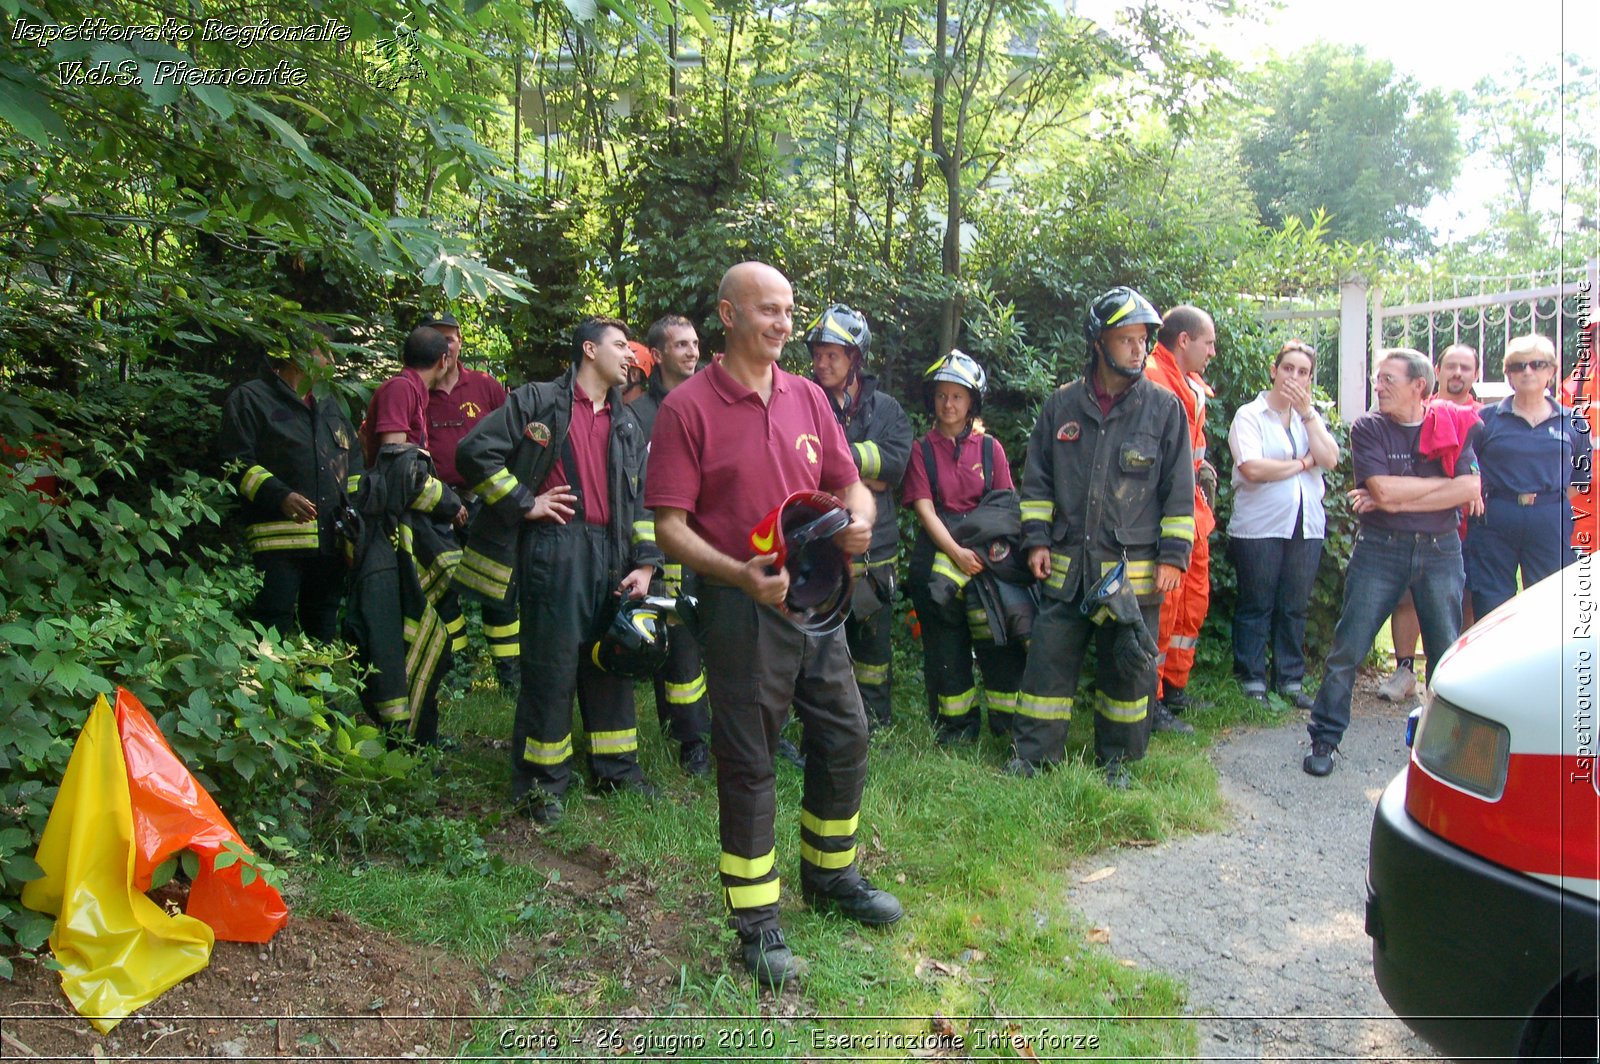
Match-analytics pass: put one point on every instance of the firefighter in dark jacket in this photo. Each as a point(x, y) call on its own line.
point(401, 608)
point(879, 435)
point(294, 455)
point(681, 702)
point(1109, 480)
point(966, 468)
point(561, 470)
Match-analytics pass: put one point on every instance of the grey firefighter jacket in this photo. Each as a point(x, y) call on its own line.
point(880, 439)
point(284, 446)
point(403, 559)
point(507, 456)
point(1098, 486)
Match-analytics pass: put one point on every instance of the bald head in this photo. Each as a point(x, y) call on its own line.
point(756, 305)
point(1189, 333)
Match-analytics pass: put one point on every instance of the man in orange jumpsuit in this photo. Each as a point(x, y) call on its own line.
point(1185, 343)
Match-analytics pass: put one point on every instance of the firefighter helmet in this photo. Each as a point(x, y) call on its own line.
point(634, 643)
point(957, 367)
point(1119, 306)
point(841, 325)
point(800, 532)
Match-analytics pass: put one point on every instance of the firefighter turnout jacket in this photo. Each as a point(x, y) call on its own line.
point(282, 444)
point(1099, 487)
point(509, 454)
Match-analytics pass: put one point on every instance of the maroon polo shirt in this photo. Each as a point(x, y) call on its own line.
point(960, 481)
point(589, 435)
point(452, 414)
point(399, 405)
point(727, 458)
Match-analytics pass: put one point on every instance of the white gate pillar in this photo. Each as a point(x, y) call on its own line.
point(1352, 347)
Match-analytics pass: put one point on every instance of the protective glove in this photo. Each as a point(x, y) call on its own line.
point(1133, 652)
point(1206, 477)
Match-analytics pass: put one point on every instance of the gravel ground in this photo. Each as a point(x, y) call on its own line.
point(1264, 920)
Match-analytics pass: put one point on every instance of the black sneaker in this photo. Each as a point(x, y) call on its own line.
point(1161, 719)
point(1296, 697)
point(964, 733)
point(790, 753)
point(771, 961)
point(1319, 762)
point(695, 759)
point(861, 902)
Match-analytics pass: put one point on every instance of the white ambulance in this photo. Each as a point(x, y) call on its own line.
point(1483, 886)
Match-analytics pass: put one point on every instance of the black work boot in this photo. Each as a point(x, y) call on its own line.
point(860, 901)
point(1161, 719)
point(790, 753)
point(770, 960)
point(694, 758)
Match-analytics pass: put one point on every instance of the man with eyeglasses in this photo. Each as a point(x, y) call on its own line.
point(1457, 370)
point(1407, 540)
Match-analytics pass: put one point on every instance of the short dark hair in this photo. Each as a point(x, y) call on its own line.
point(657, 335)
point(1296, 346)
point(590, 330)
point(425, 346)
point(1179, 320)
point(1452, 349)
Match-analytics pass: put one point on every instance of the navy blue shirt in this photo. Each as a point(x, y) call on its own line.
point(1380, 446)
point(1517, 458)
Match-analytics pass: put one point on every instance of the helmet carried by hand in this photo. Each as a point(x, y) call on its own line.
point(800, 532)
point(634, 643)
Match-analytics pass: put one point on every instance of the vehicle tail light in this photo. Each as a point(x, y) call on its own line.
point(1463, 748)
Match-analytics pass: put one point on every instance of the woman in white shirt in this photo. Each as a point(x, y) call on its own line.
point(1280, 446)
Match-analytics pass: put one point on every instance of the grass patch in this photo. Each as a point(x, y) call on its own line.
point(617, 917)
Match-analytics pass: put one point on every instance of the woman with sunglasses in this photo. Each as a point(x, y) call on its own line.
point(1532, 453)
point(1280, 446)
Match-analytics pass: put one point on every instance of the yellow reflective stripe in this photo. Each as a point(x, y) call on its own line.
point(686, 694)
point(483, 575)
point(503, 631)
point(730, 864)
point(753, 896)
point(872, 675)
point(282, 535)
point(644, 531)
point(1121, 312)
point(869, 460)
point(548, 753)
point(958, 705)
point(352, 483)
point(496, 486)
point(1044, 707)
point(1038, 510)
point(1059, 566)
point(945, 567)
point(504, 650)
point(407, 539)
point(817, 826)
point(1000, 701)
point(252, 481)
point(393, 709)
point(429, 496)
point(1122, 712)
point(437, 578)
point(1178, 528)
point(457, 623)
point(614, 742)
point(827, 858)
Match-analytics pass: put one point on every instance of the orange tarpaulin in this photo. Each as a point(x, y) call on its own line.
point(126, 803)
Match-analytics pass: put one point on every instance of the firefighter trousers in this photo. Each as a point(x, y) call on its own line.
point(304, 586)
point(757, 664)
point(869, 639)
point(948, 649)
point(564, 584)
point(1061, 635)
point(681, 703)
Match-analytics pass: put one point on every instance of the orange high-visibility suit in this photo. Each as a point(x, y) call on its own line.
point(1183, 611)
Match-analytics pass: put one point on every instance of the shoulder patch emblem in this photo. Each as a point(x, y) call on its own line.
point(1069, 432)
point(538, 432)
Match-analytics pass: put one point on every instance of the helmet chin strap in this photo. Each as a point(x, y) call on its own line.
point(1131, 374)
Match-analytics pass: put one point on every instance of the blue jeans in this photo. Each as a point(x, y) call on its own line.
point(1537, 538)
point(1382, 566)
point(1275, 580)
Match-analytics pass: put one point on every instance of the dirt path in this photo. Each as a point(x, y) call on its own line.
point(1264, 920)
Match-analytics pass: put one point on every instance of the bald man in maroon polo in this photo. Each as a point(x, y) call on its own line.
point(729, 445)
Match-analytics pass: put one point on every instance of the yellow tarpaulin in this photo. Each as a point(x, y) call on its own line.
point(118, 949)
